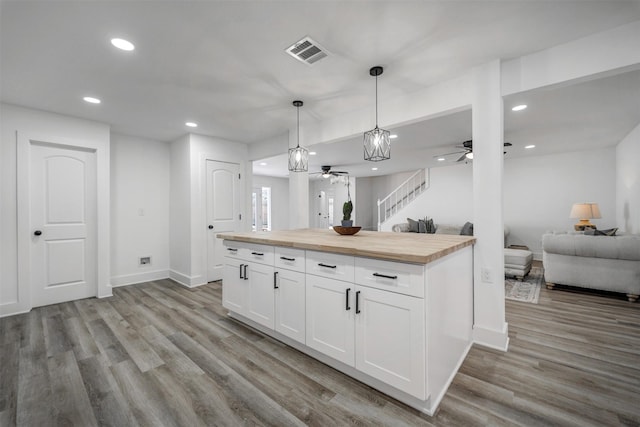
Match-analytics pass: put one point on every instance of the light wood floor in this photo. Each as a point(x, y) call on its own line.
point(158, 354)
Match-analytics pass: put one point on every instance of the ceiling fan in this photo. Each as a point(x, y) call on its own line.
point(327, 172)
point(466, 151)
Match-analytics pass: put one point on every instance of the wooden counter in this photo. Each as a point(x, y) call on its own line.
point(406, 247)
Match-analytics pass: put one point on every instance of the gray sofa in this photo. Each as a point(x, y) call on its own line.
point(610, 263)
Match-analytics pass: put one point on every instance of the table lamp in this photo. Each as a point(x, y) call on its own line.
point(584, 212)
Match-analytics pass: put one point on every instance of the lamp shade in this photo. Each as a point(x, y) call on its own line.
point(585, 211)
point(377, 145)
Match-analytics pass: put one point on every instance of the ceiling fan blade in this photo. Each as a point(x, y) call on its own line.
point(464, 156)
point(448, 154)
point(508, 144)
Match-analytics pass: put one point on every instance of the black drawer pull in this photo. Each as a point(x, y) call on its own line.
point(246, 277)
point(275, 280)
point(385, 276)
point(257, 253)
point(347, 307)
point(232, 249)
point(326, 265)
point(287, 259)
point(241, 266)
point(357, 302)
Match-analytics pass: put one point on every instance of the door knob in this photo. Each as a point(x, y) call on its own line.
point(211, 227)
point(37, 232)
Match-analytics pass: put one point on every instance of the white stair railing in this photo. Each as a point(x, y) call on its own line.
point(403, 195)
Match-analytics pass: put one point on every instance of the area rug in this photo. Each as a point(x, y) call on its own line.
point(526, 291)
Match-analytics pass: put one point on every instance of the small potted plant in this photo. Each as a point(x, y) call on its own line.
point(347, 208)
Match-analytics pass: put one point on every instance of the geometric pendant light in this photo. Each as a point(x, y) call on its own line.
point(299, 156)
point(377, 144)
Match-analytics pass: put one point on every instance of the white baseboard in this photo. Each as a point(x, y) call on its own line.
point(186, 281)
point(498, 340)
point(130, 279)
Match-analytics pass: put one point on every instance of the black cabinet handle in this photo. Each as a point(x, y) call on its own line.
point(246, 277)
point(385, 276)
point(347, 307)
point(37, 232)
point(275, 280)
point(257, 253)
point(241, 265)
point(357, 302)
point(232, 249)
point(210, 227)
point(287, 259)
point(326, 265)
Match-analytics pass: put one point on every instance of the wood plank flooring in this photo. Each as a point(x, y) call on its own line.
point(158, 354)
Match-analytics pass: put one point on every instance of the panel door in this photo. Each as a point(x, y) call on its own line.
point(390, 339)
point(260, 294)
point(223, 211)
point(63, 201)
point(234, 286)
point(330, 324)
point(290, 304)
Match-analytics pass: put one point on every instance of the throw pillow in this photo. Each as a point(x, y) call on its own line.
point(431, 229)
point(594, 232)
point(413, 225)
point(422, 226)
point(467, 229)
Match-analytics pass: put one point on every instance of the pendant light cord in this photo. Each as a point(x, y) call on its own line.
point(376, 100)
point(298, 111)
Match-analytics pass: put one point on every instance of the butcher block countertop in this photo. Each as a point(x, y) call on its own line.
point(405, 247)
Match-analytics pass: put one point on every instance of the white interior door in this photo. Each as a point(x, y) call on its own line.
point(63, 204)
point(223, 211)
point(323, 213)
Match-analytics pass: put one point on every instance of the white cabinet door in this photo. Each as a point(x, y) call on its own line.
point(234, 286)
point(330, 324)
point(390, 339)
point(260, 294)
point(290, 304)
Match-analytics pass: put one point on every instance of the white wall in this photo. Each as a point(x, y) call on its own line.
point(628, 183)
point(364, 214)
point(339, 191)
point(140, 172)
point(279, 199)
point(448, 200)
point(34, 122)
point(538, 193)
point(197, 149)
point(180, 211)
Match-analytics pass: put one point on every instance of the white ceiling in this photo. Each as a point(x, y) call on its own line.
point(222, 63)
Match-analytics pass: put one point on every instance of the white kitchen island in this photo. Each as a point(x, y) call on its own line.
point(393, 310)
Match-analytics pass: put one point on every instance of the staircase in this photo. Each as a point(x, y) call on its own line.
point(403, 195)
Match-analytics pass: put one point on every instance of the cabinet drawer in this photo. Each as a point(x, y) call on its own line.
point(290, 259)
point(330, 265)
point(399, 277)
point(262, 254)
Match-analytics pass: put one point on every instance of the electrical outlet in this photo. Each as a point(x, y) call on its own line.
point(486, 275)
point(145, 260)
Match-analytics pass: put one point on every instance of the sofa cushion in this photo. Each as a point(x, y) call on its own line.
point(614, 247)
point(447, 229)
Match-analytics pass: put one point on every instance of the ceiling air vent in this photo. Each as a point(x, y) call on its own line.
point(307, 51)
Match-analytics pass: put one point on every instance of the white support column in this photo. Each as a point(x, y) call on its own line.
point(298, 190)
point(490, 328)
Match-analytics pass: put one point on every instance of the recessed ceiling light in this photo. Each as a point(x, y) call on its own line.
point(312, 153)
point(374, 169)
point(393, 136)
point(530, 146)
point(122, 44)
point(263, 164)
point(91, 100)
point(519, 107)
point(191, 124)
point(441, 159)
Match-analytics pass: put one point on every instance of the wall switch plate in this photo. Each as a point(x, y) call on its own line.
point(145, 260)
point(486, 275)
